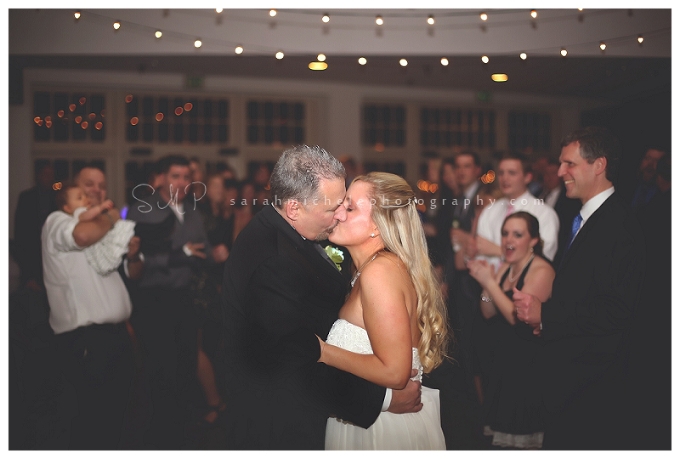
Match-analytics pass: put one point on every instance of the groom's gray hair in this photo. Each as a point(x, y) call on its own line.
point(298, 171)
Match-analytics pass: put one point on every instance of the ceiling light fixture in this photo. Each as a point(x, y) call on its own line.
point(603, 46)
point(272, 13)
point(523, 56)
point(499, 77)
point(76, 15)
point(219, 10)
point(158, 34)
point(238, 49)
point(116, 25)
point(379, 20)
point(640, 39)
point(430, 20)
point(483, 16)
point(279, 55)
point(325, 18)
point(534, 14)
point(321, 57)
point(485, 59)
point(317, 66)
point(362, 61)
point(403, 62)
point(444, 61)
point(198, 43)
point(563, 52)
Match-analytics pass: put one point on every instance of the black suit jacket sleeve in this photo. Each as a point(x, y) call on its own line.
point(288, 317)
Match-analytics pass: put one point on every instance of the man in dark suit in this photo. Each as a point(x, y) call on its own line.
point(33, 207)
point(595, 292)
point(279, 292)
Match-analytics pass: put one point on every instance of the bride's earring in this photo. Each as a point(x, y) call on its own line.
point(372, 234)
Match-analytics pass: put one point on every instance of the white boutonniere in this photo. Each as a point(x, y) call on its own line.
point(335, 255)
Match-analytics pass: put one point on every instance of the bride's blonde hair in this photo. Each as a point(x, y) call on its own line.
point(394, 212)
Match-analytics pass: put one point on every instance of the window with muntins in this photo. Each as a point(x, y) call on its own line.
point(176, 119)
point(61, 116)
point(457, 127)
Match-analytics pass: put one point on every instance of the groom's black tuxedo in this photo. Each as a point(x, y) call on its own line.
point(596, 289)
point(278, 292)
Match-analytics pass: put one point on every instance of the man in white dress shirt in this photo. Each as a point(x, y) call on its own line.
point(88, 314)
point(514, 174)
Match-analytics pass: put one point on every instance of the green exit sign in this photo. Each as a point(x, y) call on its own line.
point(483, 96)
point(195, 81)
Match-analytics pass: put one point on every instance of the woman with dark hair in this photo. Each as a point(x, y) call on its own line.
point(206, 285)
point(512, 398)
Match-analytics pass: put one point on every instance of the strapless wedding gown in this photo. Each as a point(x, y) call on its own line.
point(410, 431)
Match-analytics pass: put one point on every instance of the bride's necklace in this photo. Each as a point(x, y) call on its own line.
point(512, 279)
point(358, 273)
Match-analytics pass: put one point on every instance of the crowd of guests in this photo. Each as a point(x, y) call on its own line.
point(136, 363)
point(119, 318)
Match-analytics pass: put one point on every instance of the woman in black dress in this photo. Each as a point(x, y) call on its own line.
point(512, 397)
point(206, 284)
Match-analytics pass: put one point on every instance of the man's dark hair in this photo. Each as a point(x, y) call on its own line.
point(521, 157)
point(166, 162)
point(231, 183)
point(472, 154)
point(597, 142)
point(89, 165)
point(552, 161)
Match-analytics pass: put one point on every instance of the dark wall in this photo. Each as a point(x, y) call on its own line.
point(638, 123)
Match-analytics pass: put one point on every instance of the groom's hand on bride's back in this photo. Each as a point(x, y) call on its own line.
point(406, 400)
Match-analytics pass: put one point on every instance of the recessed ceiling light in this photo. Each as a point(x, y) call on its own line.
point(317, 65)
point(499, 77)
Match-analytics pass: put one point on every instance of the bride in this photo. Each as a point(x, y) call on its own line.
point(394, 319)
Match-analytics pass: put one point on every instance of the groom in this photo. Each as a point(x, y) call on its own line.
point(279, 291)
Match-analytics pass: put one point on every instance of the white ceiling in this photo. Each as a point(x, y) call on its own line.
point(52, 38)
point(350, 32)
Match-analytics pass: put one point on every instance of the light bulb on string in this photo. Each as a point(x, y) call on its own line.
point(603, 46)
point(238, 49)
point(444, 61)
point(321, 57)
point(563, 52)
point(534, 14)
point(485, 59)
point(219, 10)
point(116, 25)
point(640, 39)
point(279, 55)
point(483, 16)
point(362, 61)
point(76, 15)
point(158, 34)
point(430, 20)
point(379, 20)
point(325, 18)
point(403, 62)
point(272, 13)
point(198, 43)
point(523, 56)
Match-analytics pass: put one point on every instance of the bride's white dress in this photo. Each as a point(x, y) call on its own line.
point(410, 431)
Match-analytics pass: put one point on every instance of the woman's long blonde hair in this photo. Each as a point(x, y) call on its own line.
point(394, 212)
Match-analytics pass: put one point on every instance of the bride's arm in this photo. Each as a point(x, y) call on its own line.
point(387, 321)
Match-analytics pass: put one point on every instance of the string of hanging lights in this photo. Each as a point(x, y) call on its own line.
point(381, 20)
